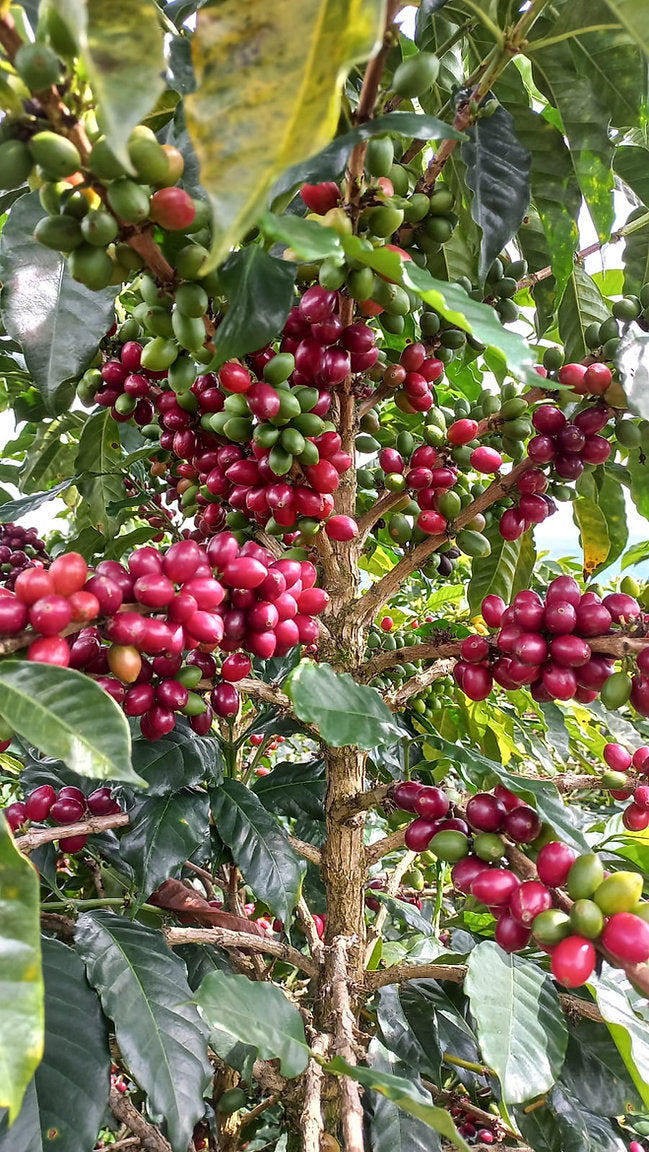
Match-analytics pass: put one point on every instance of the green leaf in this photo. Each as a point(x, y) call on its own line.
point(582, 304)
point(21, 980)
point(521, 1028)
point(632, 361)
point(452, 302)
point(160, 764)
point(268, 95)
point(402, 1092)
point(628, 1029)
point(294, 789)
point(630, 163)
point(164, 831)
point(560, 1124)
point(425, 1001)
point(504, 572)
point(541, 794)
point(259, 289)
point(69, 717)
point(330, 163)
point(635, 555)
point(25, 1132)
point(15, 509)
point(635, 258)
point(144, 990)
point(498, 172)
point(569, 84)
point(639, 469)
point(57, 322)
point(344, 712)
point(122, 47)
point(98, 459)
point(594, 1071)
point(308, 239)
point(392, 1129)
point(260, 848)
point(259, 1015)
point(634, 16)
point(72, 1081)
point(612, 502)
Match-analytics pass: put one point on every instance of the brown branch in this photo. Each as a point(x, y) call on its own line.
point(144, 244)
point(430, 650)
point(383, 505)
point(309, 851)
point(398, 699)
point(367, 101)
point(258, 1109)
point(380, 848)
point(380, 592)
point(33, 839)
point(241, 941)
point(316, 945)
point(63, 926)
point(351, 1109)
point(123, 1110)
point(391, 889)
point(364, 801)
point(311, 1120)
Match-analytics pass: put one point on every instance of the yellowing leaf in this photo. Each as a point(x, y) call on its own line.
point(595, 539)
point(269, 81)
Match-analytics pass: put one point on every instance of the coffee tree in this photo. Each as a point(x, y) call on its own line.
point(325, 796)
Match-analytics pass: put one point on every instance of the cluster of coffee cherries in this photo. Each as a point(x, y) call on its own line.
point(67, 806)
point(19, 548)
point(237, 599)
point(622, 787)
point(412, 377)
point(544, 644)
point(569, 445)
point(473, 1129)
point(605, 907)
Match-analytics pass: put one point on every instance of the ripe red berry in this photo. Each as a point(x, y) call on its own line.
point(341, 528)
point(461, 431)
point(554, 862)
point(485, 812)
point(432, 802)
point(320, 198)
point(50, 650)
point(39, 802)
point(572, 375)
point(627, 937)
point(405, 795)
point(522, 824)
point(172, 208)
point(33, 583)
point(15, 814)
point(67, 810)
point(73, 843)
point(529, 900)
point(510, 934)
point(495, 886)
point(485, 459)
point(635, 818)
point(13, 615)
point(617, 757)
point(492, 609)
point(465, 871)
point(419, 834)
point(597, 379)
point(573, 961)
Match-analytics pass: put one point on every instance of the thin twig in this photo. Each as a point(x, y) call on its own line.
point(391, 889)
point(316, 945)
point(37, 836)
point(311, 1120)
point(238, 941)
point(150, 1137)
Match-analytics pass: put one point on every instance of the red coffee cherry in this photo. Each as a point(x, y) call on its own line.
point(554, 862)
point(485, 812)
point(405, 795)
point(172, 208)
point(627, 937)
point(573, 961)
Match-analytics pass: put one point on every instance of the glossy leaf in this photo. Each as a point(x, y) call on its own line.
point(428, 1001)
point(560, 1124)
point(144, 990)
point(594, 1071)
point(21, 980)
point(453, 303)
point(306, 238)
point(504, 572)
point(25, 1132)
point(15, 509)
point(344, 712)
point(164, 831)
point(633, 364)
point(121, 45)
point(72, 1081)
point(97, 463)
point(293, 788)
point(268, 95)
point(268, 864)
point(521, 1027)
point(629, 1031)
point(57, 322)
point(404, 1093)
point(536, 251)
point(582, 304)
point(392, 1129)
point(634, 17)
point(257, 1015)
point(69, 717)
point(259, 289)
point(498, 172)
point(330, 163)
point(630, 163)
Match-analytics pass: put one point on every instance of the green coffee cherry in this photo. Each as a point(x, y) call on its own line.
point(586, 919)
point(61, 233)
point(37, 65)
point(416, 74)
point(91, 266)
point(129, 201)
point(191, 300)
point(379, 156)
point(616, 690)
point(57, 155)
point(99, 227)
point(441, 201)
point(585, 876)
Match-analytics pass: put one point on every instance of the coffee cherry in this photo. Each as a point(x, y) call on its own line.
point(15, 814)
point(73, 844)
point(495, 886)
point(550, 927)
point(449, 845)
point(419, 834)
point(554, 862)
point(585, 876)
point(465, 871)
point(522, 824)
point(573, 961)
point(49, 650)
point(431, 802)
point(485, 812)
point(618, 892)
point(172, 208)
point(67, 810)
point(100, 802)
point(627, 937)
point(529, 900)
point(512, 936)
point(405, 795)
point(636, 819)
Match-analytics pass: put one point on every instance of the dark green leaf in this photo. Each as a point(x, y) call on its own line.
point(330, 163)
point(344, 712)
point(68, 716)
point(521, 1028)
point(72, 1081)
point(25, 1132)
point(615, 1000)
point(399, 1037)
point(634, 16)
point(555, 1126)
point(504, 572)
point(635, 258)
point(392, 1129)
point(57, 321)
point(259, 289)
point(594, 1071)
point(425, 1002)
point(144, 990)
point(582, 304)
point(294, 788)
point(308, 239)
point(638, 466)
point(498, 172)
point(403, 1092)
point(258, 1015)
point(268, 864)
point(535, 249)
point(21, 980)
point(97, 463)
point(15, 509)
point(164, 831)
point(630, 162)
point(160, 764)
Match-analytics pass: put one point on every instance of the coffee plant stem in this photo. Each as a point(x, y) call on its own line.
point(235, 941)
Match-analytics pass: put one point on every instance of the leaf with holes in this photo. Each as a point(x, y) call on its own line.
point(268, 95)
point(21, 980)
point(522, 1031)
point(259, 847)
point(57, 322)
point(144, 990)
point(240, 1011)
point(498, 173)
point(69, 717)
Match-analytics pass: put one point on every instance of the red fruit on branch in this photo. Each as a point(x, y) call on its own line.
point(554, 862)
point(573, 961)
point(172, 208)
point(627, 937)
